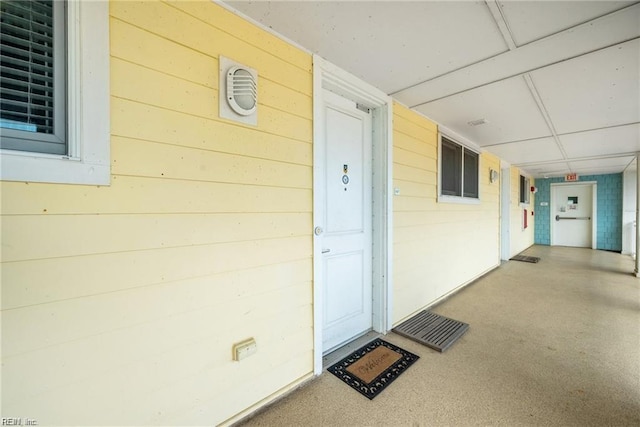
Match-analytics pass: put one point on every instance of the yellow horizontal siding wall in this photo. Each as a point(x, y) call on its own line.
point(120, 304)
point(437, 246)
point(521, 238)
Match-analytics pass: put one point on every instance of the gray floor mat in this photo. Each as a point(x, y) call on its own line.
point(525, 258)
point(432, 330)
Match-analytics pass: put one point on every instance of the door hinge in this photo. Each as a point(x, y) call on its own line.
point(363, 108)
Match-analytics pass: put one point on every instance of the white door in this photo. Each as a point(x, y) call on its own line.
point(572, 215)
point(347, 235)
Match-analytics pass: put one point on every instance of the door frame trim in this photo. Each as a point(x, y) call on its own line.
point(330, 77)
point(505, 210)
point(594, 209)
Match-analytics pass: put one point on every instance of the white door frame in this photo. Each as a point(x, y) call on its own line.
point(505, 211)
point(594, 209)
point(328, 76)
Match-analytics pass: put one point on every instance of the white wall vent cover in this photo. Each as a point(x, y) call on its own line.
point(238, 92)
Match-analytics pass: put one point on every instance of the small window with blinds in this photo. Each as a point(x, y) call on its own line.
point(459, 169)
point(524, 189)
point(451, 168)
point(33, 76)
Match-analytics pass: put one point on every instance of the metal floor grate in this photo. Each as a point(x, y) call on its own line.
point(432, 330)
point(525, 258)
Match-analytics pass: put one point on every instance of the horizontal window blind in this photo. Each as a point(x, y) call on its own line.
point(459, 169)
point(30, 62)
point(524, 189)
point(451, 168)
point(471, 161)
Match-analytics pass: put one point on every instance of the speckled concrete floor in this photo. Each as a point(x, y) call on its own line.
point(554, 343)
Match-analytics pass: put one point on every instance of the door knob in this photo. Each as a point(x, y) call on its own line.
point(318, 231)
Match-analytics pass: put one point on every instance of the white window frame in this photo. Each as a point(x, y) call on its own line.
point(466, 145)
point(88, 111)
point(527, 191)
point(36, 140)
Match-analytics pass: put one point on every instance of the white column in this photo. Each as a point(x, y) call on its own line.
point(637, 269)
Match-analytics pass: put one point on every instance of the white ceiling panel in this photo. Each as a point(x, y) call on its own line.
point(597, 90)
point(533, 20)
point(598, 171)
point(389, 44)
point(542, 149)
point(602, 142)
point(551, 169)
point(616, 163)
point(508, 107)
point(604, 32)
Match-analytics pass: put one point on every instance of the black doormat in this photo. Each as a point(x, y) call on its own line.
point(525, 258)
point(432, 330)
point(371, 368)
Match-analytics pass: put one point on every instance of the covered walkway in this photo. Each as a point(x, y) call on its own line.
point(553, 343)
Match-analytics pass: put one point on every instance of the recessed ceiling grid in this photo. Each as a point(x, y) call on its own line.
point(498, 148)
point(603, 32)
point(556, 83)
point(505, 30)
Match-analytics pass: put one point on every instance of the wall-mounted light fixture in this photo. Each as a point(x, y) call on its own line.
point(238, 92)
point(534, 190)
point(493, 175)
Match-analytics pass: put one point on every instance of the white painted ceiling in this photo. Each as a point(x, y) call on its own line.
point(558, 82)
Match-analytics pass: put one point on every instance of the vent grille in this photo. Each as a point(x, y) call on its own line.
point(525, 258)
point(477, 122)
point(432, 330)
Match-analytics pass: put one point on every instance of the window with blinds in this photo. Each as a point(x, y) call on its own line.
point(524, 189)
point(451, 168)
point(33, 76)
point(459, 168)
point(471, 160)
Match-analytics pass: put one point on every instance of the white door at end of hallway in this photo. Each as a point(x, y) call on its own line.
point(572, 215)
point(347, 237)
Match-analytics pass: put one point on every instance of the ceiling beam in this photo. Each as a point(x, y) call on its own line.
point(545, 114)
point(609, 30)
point(502, 23)
point(574, 159)
point(564, 134)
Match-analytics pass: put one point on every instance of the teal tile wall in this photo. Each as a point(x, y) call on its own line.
point(609, 236)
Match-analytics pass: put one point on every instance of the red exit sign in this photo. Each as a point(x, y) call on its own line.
point(571, 177)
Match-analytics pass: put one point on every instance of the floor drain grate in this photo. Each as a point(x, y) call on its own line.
point(432, 330)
